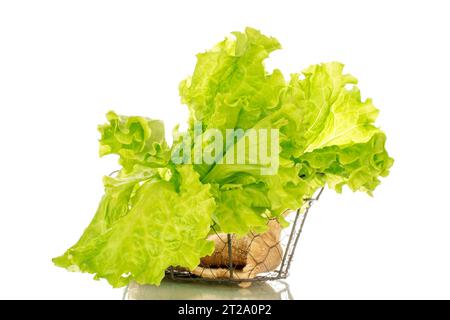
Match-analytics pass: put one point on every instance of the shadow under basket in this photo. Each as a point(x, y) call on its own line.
point(255, 257)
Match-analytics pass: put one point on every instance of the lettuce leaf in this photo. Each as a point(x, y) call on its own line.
point(329, 112)
point(138, 236)
point(338, 138)
point(137, 141)
point(230, 87)
point(358, 166)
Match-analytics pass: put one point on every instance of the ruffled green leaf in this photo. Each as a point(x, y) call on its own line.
point(137, 237)
point(230, 87)
point(137, 141)
point(358, 166)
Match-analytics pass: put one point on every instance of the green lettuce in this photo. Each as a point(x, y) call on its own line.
point(146, 222)
point(157, 212)
point(138, 141)
point(230, 87)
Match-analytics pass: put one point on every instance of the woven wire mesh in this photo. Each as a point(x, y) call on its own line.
point(255, 257)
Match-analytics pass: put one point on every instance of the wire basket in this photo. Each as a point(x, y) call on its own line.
point(268, 256)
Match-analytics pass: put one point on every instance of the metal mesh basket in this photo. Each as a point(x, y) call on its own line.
point(228, 266)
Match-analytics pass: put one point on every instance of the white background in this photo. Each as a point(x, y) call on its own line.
point(63, 64)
